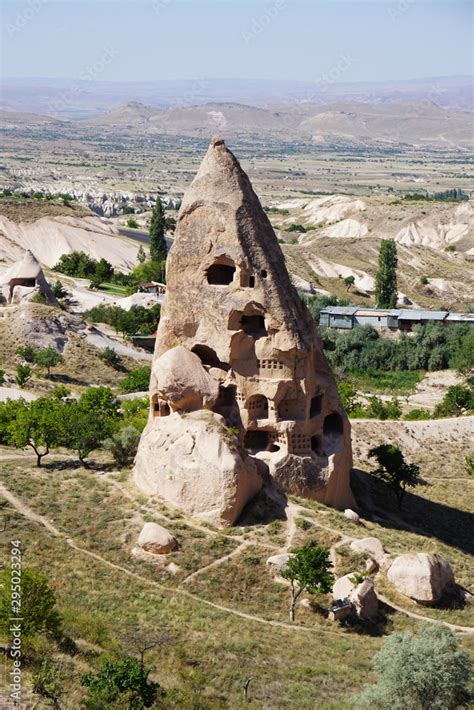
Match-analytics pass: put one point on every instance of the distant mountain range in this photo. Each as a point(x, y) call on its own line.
point(420, 124)
point(75, 98)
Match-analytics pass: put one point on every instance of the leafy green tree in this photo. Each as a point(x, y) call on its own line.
point(349, 281)
point(23, 374)
point(386, 291)
point(121, 683)
point(27, 353)
point(85, 429)
point(308, 571)
point(462, 355)
point(137, 380)
point(58, 289)
point(123, 445)
point(428, 671)
point(100, 399)
point(8, 413)
point(157, 232)
point(47, 358)
point(47, 682)
point(39, 425)
point(38, 605)
point(394, 470)
point(457, 400)
point(141, 256)
point(111, 357)
point(77, 263)
point(149, 271)
point(469, 464)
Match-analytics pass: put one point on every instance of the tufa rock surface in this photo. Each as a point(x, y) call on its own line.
point(231, 305)
point(156, 539)
point(362, 596)
point(421, 576)
point(24, 280)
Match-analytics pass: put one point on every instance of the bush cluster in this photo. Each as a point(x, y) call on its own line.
point(136, 320)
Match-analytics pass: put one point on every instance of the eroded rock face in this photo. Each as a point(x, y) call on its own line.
point(194, 463)
point(230, 303)
point(362, 596)
point(421, 576)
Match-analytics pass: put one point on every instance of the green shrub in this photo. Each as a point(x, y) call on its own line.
point(132, 223)
point(427, 671)
point(417, 415)
point(137, 380)
point(123, 445)
point(111, 357)
point(121, 683)
point(38, 605)
point(457, 400)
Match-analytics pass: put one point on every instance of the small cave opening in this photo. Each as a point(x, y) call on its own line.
point(316, 445)
point(208, 356)
point(316, 405)
point(253, 325)
point(333, 424)
point(256, 440)
point(273, 448)
point(160, 408)
point(227, 396)
point(263, 273)
point(257, 407)
point(220, 274)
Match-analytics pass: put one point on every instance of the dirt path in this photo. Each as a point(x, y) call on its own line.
point(26, 511)
point(217, 562)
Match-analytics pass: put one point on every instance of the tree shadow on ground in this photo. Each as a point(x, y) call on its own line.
point(74, 464)
point(266, 506)
point(419, 515)
point(379, 625)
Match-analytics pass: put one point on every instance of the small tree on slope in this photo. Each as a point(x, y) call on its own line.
point(386, 278)
point(308, 571)
point(428, 671)
point(394, 470)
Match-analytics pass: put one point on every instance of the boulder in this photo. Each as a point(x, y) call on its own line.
point(362, 595)
point(199, 469)
point(371, 565)
point(364, 599)
point(351, 515)
point(183, 382)
point(278, 563)
point(369, 545)
point(156, 539)
point(421, 576)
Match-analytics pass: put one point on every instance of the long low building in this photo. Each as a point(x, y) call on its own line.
point(348, 317)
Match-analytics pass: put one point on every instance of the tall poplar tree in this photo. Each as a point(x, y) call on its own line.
point(386, 290)
point(157, 233)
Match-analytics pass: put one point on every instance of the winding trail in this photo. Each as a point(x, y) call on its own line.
point(294, 509)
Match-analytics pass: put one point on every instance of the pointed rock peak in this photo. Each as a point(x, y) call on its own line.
point(216, 141)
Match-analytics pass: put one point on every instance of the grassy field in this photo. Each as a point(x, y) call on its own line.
point(386, 382)
point(103, 589)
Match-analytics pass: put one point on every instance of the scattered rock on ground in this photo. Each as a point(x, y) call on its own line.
point(156, 539)
point(421, 576)
point(351, 515)
point(362, 596)
point(278, 563)
point(370, 545)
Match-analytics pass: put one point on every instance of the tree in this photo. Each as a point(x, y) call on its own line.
point(157, 233)
point(428, 671)
point(27, 353)
point(38, 424)
point(38, 605)
point(137, 380)
point(47, 682)
point(386, 292)
point(456, 401)
point(394, 470)
point(308, 571)
point(123, 445)
point(85, 429)
point(132, 223)
point(141, 256)
point(100, 399)
point(349, 281)
point(111, 357)
point(48, 358)
point(140, 641)
point(23, 374)
point(58, 289)
point(121, 683)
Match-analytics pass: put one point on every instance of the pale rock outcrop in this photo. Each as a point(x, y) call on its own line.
point(230, 303)
point(351, 515)
point(278, 563)
point(25, 279)
point(156, 539)
point(362, 595)
point(370, 546)
point(194, 463)
point(421, 576)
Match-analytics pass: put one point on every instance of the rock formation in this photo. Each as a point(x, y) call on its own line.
point(237, 347)
point(422, 577)
point(25, 279)
point(156, 539)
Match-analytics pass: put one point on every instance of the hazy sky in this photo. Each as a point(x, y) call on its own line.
point(287, 39)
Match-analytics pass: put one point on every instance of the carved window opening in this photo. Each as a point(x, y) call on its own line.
point(316, 405)
point(221, 274)
point(256, 440)
point(263, 273)
point(160, 408)
point(253, 325)
point(333, 424)
point(316, 445)
point(227, 396)
point(290, 410)
point(208, 356)
point(257, 407)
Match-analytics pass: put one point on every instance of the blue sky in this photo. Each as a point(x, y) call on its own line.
point(270, 39)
